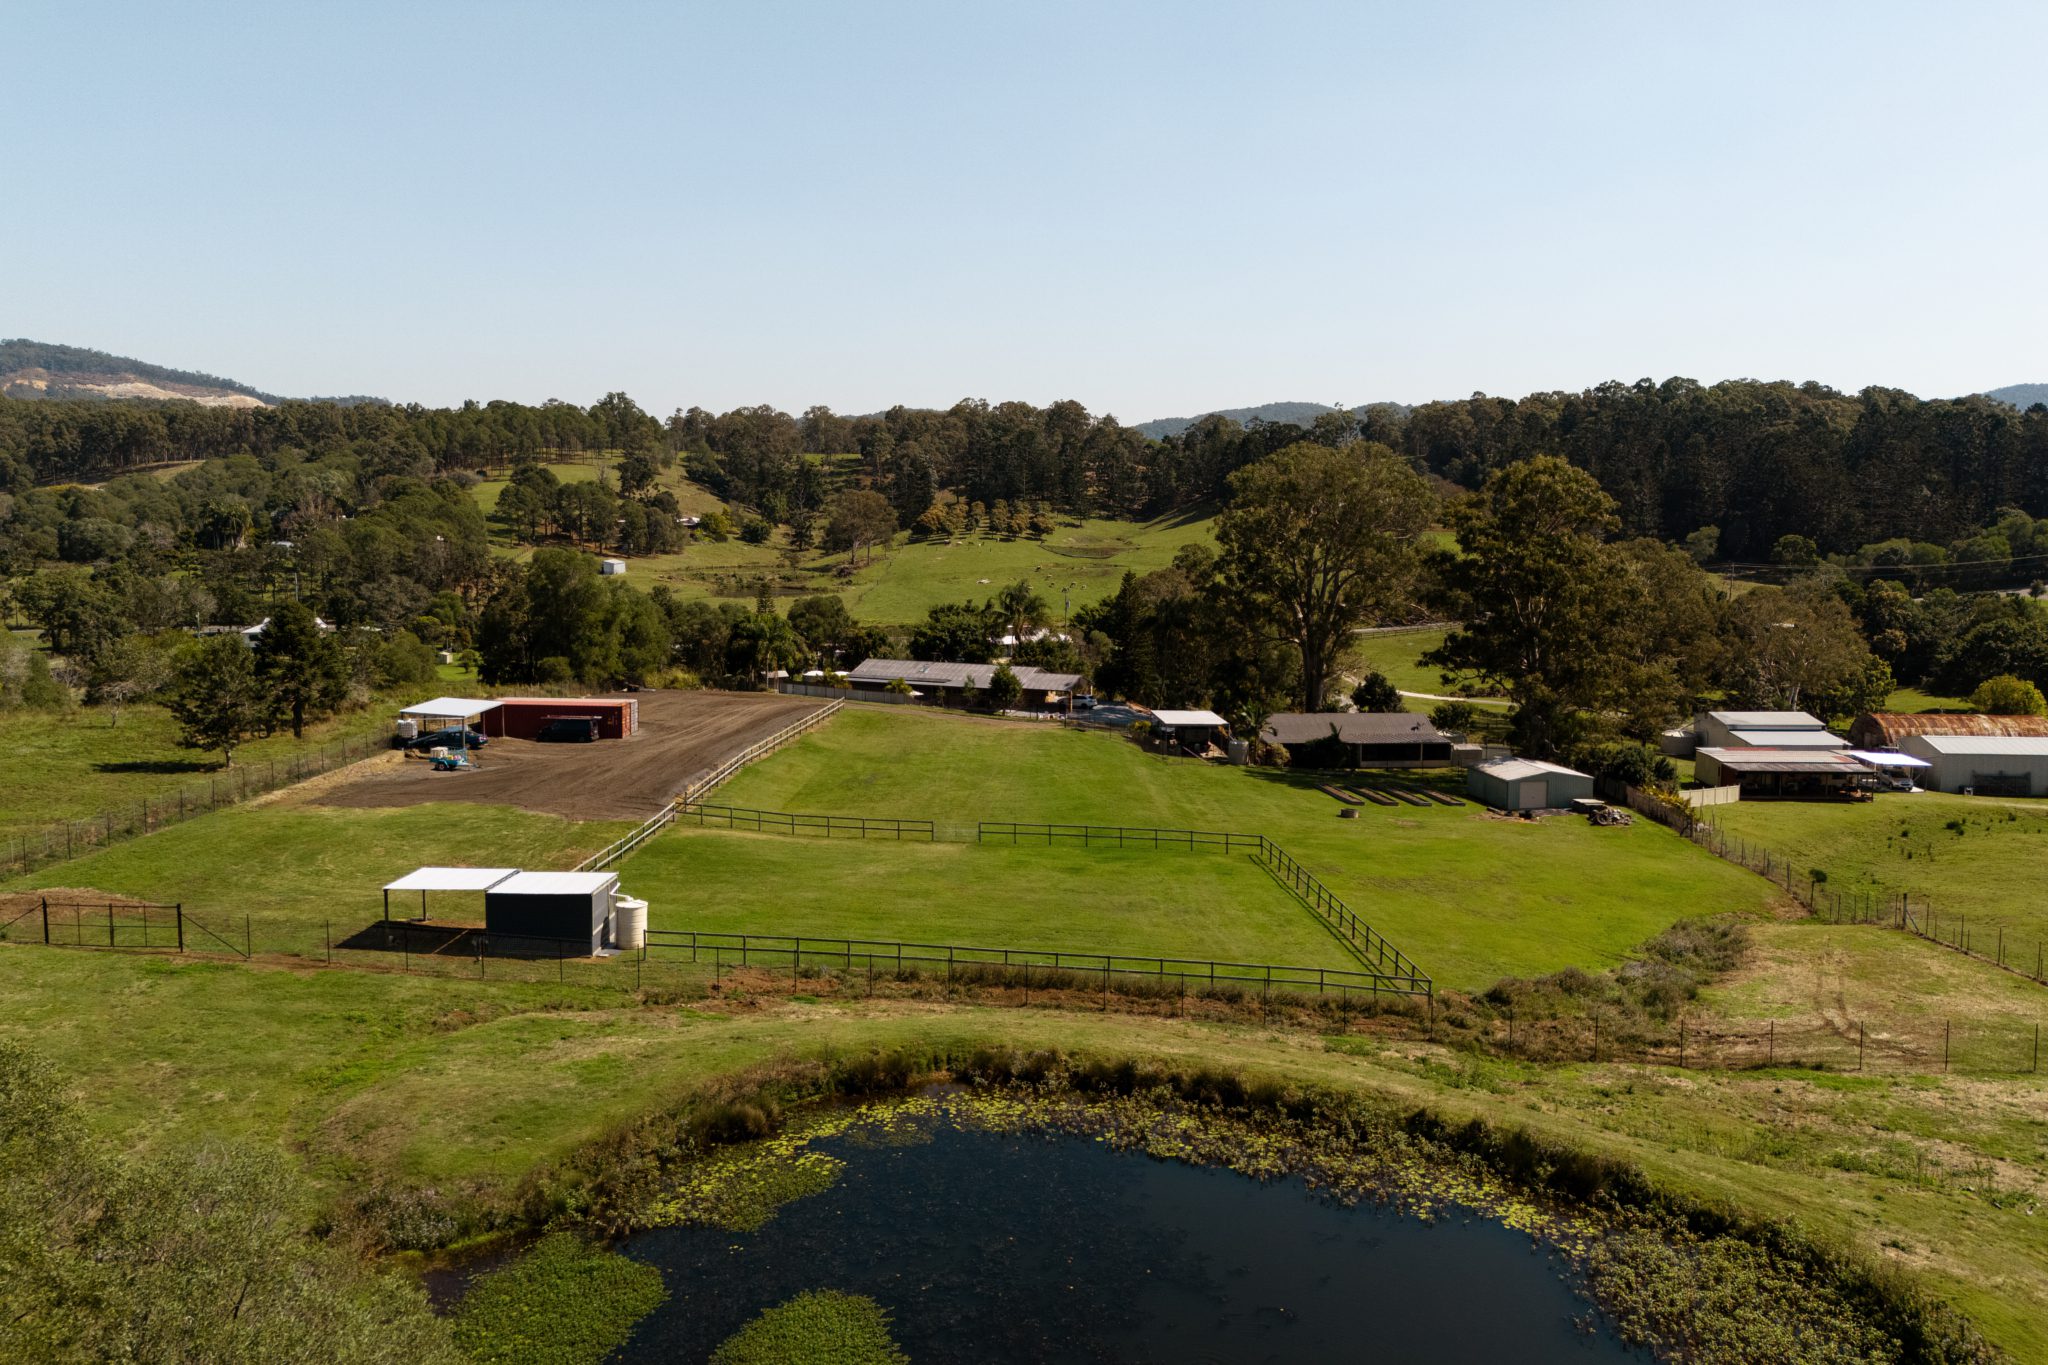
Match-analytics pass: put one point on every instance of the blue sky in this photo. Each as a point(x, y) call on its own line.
point(1155, 209)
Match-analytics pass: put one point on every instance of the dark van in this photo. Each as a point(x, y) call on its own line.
point(569, 730)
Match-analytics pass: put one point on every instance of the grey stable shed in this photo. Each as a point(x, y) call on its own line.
point(563, 906)
point(1526, 784)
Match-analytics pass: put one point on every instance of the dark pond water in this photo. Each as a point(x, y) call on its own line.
point(993, 1249)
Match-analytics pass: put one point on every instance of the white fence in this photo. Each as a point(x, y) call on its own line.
point(698, 787)
point(1697, 797)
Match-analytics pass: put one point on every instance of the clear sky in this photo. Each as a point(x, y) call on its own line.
point(1154, 208)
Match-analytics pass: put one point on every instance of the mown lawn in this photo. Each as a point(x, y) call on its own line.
point(1215, 906)
point(1977, 857)
point(1469, 896)
point(73, 765)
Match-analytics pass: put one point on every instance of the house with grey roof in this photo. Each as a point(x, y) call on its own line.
point(948, 684)
point(1368, 739)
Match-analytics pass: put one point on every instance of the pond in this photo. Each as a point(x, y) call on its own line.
point(1032, 1247)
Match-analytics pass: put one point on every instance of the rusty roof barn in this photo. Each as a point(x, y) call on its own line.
point(1888, 729)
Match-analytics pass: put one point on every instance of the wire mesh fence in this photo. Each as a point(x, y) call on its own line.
point(31, 849)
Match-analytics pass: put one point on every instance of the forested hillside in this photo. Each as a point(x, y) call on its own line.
point(57, 364)
point(2020, 395)
point(1758, 461)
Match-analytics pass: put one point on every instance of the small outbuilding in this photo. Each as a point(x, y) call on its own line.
point(1983, 765)
point(1191, 732)
point(560, 906)
point(1526, 784)
point(611, 568)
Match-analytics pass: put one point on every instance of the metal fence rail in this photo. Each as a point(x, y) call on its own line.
point(759, 749)
point(618, 848)
point(819, 826)
point(821, 951)
point(1117, 836)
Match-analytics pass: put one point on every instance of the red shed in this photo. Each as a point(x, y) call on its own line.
point(524, 717)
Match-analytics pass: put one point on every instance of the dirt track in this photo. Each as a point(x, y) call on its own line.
point(682, 735)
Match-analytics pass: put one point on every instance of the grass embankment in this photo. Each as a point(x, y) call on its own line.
point(1469, 897)
point(294, 867)
point(472, 1089)
point(1139, 902)
point(1979, 857)
point(76, 764)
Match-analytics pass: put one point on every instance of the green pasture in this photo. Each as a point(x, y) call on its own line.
point(1981, 857)
point(1151, 903)
point(1398, 655)
point(296, 867)
point(1469, 896)
point(475, 1087)
point(73, 765)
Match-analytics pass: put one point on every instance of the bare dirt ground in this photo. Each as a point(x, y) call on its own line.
point(682, 735)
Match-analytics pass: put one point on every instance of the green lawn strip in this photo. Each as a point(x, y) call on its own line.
point(296, 867)
point(1913, 699)
point(563, 1302)
point(76, 765)
point(821, 1327)
point(1989, 869)
point(1152, 903)
point(1469, 897)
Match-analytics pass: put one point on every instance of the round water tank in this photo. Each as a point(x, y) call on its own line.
point(408, 728)
point(630, 921)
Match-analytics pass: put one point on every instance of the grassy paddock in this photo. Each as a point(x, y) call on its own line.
point(1471, 898)
point(1979, 857)
point(1144, 902)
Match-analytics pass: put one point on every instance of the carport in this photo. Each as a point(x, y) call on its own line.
point(446, 712)
point(425, 879)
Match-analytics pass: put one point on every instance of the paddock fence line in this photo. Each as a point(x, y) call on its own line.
point(1887, 907)
point(612, 853)
point(698, 787)
point(68, 839)
point(1115, 836)
point(1062, 967)
point(147, 925)
point(797, 823)
point(1366, 943)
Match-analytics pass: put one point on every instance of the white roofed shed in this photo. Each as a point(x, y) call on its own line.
point(1985, 765)
point(425, 879)
point(449, 711)
point(1526, 784)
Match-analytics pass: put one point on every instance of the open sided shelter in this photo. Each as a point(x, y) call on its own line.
point(427, 879)
point(1790, 772)
point(1191, 731)
point(447, 712)
point(1526, 784)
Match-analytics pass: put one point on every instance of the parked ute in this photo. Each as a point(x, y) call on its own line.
point(453, 738)
point(570, 730)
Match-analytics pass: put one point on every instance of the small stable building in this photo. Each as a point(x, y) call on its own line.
point(1983, 765)
point(1789, 773)
point(1371, 739)
point(559, 906)
point(1191, 732)
point(1526, 784)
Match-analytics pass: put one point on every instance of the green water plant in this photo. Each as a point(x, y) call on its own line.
point(564, 1302)
point(822, 1327)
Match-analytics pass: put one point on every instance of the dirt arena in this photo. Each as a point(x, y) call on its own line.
point(682, 735)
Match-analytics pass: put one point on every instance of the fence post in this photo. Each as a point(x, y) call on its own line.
point(46, 919)
point(248, 940)
point(110, 924)
point(1944, 1045)
point(180, 908)
point(327, 939)
point(1771, 1046)
point(1859, 1044)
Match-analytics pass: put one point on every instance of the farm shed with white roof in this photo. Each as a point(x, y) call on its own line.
point(1988, 765)
point(1526, 784)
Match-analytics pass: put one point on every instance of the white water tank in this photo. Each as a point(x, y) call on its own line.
point(629, 921)
point(408, 729)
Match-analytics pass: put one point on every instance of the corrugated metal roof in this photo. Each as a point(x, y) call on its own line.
point(1789, 739)
point(1515, 769)
point(1194, 719)
point(1896, 725)
point(2019, 746)
point(555, 884)
point(450, 708)
point(1353, 727)
point(1767, 720)
point(1783, 760)
point(452, 879)
point(932, 674)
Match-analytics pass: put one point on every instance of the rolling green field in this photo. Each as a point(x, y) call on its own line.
point(1398, 655)
point(1215, 906)
point(1976, 856)
point(1469, 896)
point(75, 764)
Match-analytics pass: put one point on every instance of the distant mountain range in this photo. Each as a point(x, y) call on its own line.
point(42, 369)
point(1300, 414)
point(2021, 396)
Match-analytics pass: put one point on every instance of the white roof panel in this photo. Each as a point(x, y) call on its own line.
point(452, 879)
point(450, 708)
point(1180, 718)
point(1880, 759)
point(556, 883)
point(1515, 769)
